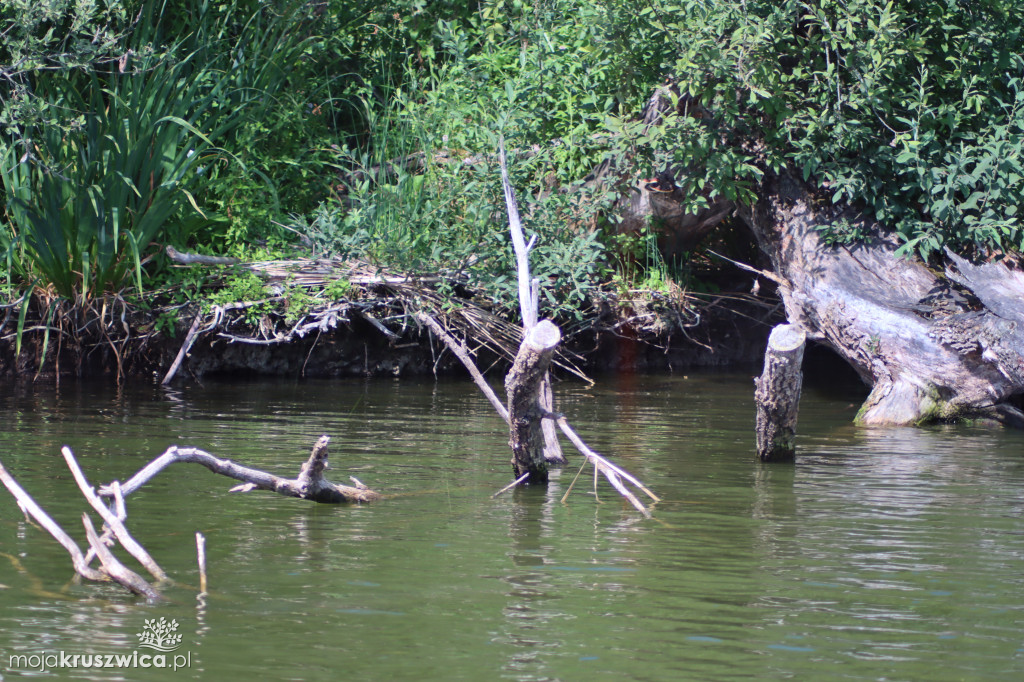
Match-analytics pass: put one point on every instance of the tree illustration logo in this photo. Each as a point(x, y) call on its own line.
point(160, 635)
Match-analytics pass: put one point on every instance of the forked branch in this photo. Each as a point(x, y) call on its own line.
point(310, 484)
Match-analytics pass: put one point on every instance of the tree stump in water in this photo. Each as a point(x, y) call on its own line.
point(931, 346)
point(778, 394)
point(524, 387)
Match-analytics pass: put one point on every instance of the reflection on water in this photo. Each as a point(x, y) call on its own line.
point(882, 554)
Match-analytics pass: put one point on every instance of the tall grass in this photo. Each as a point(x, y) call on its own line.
point(115, 169)
point(93, 195)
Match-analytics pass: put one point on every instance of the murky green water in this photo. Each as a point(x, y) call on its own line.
point(893, 554)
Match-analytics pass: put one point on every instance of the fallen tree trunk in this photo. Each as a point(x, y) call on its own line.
point(931, 347)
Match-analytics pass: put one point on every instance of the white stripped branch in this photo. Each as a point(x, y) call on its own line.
point(529, 304)
point(310, 484)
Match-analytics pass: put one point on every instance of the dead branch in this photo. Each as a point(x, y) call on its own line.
point(117, 571)
point(113, 521)
point(112, 568)
point(201, 560)
point(462, 353)
point(185, 346)
point(310, 484)
point(30, 508)
point(198, 259)
point(612, 472)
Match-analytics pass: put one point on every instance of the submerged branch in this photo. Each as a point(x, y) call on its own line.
point(30, 508)
point(310, 484)
point(113, 521)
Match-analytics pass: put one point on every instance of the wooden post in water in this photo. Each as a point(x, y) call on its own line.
point(778, 394)
point(525, 414)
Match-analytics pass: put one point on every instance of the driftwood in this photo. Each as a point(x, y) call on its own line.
point(931, 347)
point(778, 394)
point(310, 484)
point(111, 569)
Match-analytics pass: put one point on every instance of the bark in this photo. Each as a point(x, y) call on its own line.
point(613, 473)
point(931, 347)
point(310, 484)
point(524, 385)
point(778, 394)
point(529, 305)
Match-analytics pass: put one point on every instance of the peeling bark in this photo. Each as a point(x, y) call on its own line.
point(778, 394)
point(931, 347)
point(526, 415)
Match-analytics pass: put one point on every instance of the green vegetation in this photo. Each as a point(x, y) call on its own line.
point(368, 130)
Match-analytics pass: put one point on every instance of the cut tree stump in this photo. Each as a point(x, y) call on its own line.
point(524, 387)
point(778, 394)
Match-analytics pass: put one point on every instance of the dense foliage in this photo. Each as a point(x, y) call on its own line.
point(911, 109)
point(368, 129)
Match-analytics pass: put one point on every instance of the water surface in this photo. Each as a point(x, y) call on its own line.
point(893, 554)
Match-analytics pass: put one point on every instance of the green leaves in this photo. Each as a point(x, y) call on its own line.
point(911, 112)
point(126, 151)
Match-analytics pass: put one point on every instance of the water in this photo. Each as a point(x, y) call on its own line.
point(884, 554)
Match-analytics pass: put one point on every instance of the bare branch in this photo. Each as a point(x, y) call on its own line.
point(462, 353)
point(30, 508)
point(310, 484)
point(112, 521)
point(117, 571)
point(189, 340)
point(201, 559)
point(526, 304)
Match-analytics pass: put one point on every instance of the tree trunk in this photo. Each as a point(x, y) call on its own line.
point(524, 385)
point(778, 394)
point(931, 347)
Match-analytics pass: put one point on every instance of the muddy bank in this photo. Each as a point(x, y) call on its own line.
point(377, 336)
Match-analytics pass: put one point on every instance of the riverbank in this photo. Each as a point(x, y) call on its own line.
point(333, 319)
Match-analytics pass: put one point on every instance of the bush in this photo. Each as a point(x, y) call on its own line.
point(909, 109)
